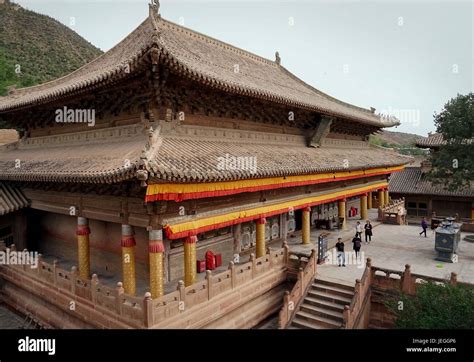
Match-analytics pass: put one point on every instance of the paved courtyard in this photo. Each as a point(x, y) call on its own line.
point(394, 246)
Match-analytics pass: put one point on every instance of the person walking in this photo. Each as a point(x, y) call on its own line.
point(340, 253)
point(368, 231)
point(424, 226)
point(358, 230)
point(357, 244)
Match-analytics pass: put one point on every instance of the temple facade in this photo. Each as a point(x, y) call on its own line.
point(172, 144)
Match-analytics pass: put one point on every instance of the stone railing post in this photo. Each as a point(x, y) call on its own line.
point(118, 297)
point(406, 280)
point(283, 317)
point(368, 266)
point(301, 280)
point(55, 273)
point(40, 264)
point(94, 284)
point(147, 310)
point(454, 278)
point(253, 265)
point(182, 294)
point(286, 253)
point(209, 284)
point(347, 316)
point(73, 279)
point(232, 274)
point(313, 260)
point(357, 295)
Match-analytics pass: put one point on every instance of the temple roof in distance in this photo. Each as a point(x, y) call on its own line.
point(200, 58)
point(412, 181)
point(434, 140)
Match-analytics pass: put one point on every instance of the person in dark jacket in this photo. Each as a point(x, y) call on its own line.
point(368, 231)
point(340, 253)
point(357, 244)
point(424, 226)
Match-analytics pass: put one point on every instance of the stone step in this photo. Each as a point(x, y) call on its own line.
point(324, 304)
point(334, 284)
point(322, 312)
point(318, 320)
point(334, 298)
point(300, 323)
point(333, 290)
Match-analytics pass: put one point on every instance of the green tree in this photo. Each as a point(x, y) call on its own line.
point(453, 163)
point(435, 307)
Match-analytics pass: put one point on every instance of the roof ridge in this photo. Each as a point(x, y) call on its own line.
point(325, 94)
point(215, 41)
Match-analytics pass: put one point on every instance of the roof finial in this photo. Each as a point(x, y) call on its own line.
point(155, 6)
point(277, 58)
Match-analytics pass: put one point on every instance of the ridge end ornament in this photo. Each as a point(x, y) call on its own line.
point(277, 58)
point(155, 6)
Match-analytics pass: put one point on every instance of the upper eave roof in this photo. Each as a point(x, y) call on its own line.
point(201, 58)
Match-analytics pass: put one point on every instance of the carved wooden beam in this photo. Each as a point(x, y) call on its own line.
point(321, 131)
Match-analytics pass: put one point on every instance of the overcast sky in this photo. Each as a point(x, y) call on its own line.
point(406, 58)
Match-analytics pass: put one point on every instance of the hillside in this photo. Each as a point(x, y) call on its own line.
point(404, 143)
point(35, 48)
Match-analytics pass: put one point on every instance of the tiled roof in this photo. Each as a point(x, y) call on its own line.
point(74, 157)
point(203, 59)
point(433, 140)
point(114, 155)
point(412, 181)
point(11, 199)
point(195, 160)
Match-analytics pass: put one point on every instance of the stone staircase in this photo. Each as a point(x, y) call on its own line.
point(323, 305)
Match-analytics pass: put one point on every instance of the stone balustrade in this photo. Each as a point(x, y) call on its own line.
point(352, 312)
point(305, 278)
point(145, 312)
point(390, 212)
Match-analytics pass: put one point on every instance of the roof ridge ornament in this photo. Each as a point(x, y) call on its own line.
point(155, 7)
point(277, 58)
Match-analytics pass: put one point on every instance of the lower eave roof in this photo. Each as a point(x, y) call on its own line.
point(115, 155)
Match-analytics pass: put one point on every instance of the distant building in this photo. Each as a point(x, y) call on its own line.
point(422, 197)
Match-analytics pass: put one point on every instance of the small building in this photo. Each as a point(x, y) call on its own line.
point(172, 144)
point(426, 199)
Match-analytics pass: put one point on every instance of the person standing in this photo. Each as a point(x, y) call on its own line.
point(424, 226)
point(340, 253)
point(368, 231)
point(357, 244)
point(358, 230)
